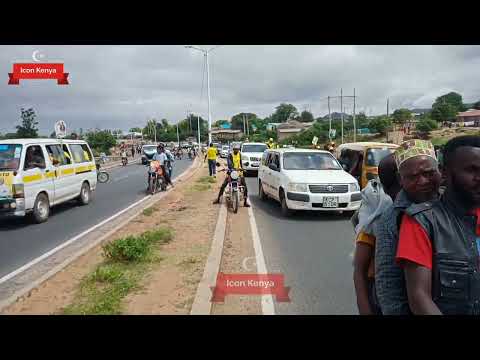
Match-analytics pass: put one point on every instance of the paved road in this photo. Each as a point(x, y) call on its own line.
point(312, 251)
point(21, 242)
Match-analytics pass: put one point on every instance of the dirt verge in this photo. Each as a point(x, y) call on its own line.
point(169, 287)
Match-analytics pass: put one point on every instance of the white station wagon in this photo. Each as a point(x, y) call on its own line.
point(302, 179)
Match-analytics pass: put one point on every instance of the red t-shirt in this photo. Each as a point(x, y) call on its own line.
point(414, 244)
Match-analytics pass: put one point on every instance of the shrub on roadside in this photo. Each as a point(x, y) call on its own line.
point(130, 248)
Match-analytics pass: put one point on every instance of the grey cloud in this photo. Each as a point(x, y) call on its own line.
point(121, 86)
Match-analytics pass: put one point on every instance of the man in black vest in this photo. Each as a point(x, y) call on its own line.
point(439, 241)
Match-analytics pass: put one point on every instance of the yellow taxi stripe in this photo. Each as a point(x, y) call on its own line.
point(68, 171)
point(50, 175)
point(32, 178)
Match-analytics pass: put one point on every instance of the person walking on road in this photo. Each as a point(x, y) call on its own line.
point(376, 197)
point(420, 180)
point(212, 159)
point(439, 241)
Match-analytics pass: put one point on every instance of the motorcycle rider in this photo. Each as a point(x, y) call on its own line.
point(124, 155)
point(169, 162)
point(234, 162)
point(161, 157)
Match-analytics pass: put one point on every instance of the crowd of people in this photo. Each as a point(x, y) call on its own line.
point(417, 248)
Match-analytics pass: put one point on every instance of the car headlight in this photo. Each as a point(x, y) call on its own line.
point(297, 187)
point(244, 158)
point(354, 187)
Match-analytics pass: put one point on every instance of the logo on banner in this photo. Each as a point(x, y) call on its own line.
point(60, 129)
point(250, 284)
point(38, 70)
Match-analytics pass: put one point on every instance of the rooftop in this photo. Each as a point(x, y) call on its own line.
point(469, 113)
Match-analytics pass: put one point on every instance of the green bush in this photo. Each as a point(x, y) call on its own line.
point(427, 125)
point(162, 236)
point(130, 248)
point(107, 273)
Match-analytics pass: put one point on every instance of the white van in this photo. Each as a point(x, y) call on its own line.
point(303, 179)
point(36, 174)
point(252, 155)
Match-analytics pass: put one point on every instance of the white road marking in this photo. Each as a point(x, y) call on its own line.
point(267, 300)
point(68, 242)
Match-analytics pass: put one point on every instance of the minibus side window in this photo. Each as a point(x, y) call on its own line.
point(80, 153)
point(87, 153)
point(66, 154)
point(34, 158)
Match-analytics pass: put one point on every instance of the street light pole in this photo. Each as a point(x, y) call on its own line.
point(198, 129)
point(208, 95)
point(178, 137)
point(206, 52)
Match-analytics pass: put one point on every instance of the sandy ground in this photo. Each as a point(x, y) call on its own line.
point(171, 285)
point(238, 245)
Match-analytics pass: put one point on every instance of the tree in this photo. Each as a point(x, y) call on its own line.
point(400, 116)
point(361, 120)
point(306, 116)
point(28, 129)
point(427, 125)
point(135, 129)
point(283, 113)
point(220, 123)
point(477, 105)
point(237, 120)
point(101, 141)
point(446, 107)
point(380, 125)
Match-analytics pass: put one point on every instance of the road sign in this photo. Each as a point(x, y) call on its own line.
point(60, 129)
point(315, 140)
point(333, 133)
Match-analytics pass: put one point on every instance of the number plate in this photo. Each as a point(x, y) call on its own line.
point(255, 164)
point(330, 202)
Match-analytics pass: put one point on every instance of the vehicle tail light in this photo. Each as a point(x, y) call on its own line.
point(18, 191)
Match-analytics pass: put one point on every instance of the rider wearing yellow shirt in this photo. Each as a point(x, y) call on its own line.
point(234, 162)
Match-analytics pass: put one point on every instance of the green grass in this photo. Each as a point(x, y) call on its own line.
point(206, 180)
point(126, 261)
point(148, 212)
point(439, 141)
point(200, 187)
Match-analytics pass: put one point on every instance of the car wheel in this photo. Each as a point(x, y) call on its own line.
point(286, 212)
point(41, 209)
point(261, 193)
point(85, 194)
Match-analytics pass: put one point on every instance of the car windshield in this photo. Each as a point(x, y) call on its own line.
point(149, 148)
point(254, 148)
point(226, 148)
point(310, 161)
point(10, 156)
point(374, 156)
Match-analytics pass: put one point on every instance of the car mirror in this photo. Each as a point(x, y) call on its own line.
point(273, 167)
point(345, 167)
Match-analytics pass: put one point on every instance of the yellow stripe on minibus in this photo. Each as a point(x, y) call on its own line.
point(50, 175)
point(68, 172)
point(32, 178)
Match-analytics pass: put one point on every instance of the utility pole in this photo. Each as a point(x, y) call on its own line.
point(198, 129)
point(244, 126)
point(341, 109)
point(178, 137)
point(354, 124)
point(330, 120)
point(248, 127)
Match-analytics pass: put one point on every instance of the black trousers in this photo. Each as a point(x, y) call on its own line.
point(166, 175)
point(242, 182)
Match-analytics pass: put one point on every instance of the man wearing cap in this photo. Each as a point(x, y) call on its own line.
point(234, 162)
point(440, 241)
point(419, 180)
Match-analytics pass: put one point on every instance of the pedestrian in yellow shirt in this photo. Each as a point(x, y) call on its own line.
point(212, 159)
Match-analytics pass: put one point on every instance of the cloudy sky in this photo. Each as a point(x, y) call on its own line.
point(121, 86)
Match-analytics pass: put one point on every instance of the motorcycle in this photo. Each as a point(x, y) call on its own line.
point(102, 176)
point(156, 179)
point(234, 193)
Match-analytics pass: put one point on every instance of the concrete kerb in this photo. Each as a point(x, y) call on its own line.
point(187, 174)
point(202, 304)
